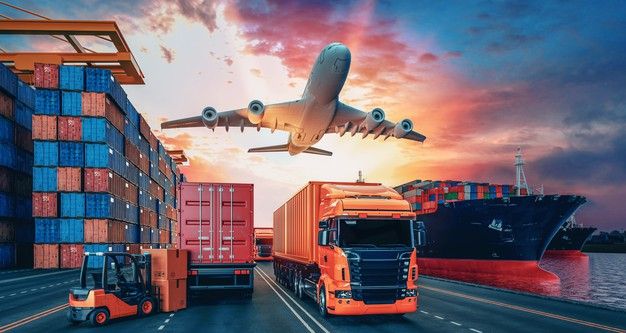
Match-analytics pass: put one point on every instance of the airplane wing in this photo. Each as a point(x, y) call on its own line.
point(277, 116)
point(350, 120)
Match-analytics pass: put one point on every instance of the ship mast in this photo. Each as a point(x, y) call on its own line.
point(360, 179)
point(520, 177)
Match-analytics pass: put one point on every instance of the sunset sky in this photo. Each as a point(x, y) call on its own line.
point(477, 78)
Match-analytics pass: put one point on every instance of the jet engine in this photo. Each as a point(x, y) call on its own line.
point(209, 117)
point(373, 119)
point(403, 128)
point(256, 110)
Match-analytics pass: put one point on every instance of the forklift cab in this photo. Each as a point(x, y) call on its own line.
point(112, 285)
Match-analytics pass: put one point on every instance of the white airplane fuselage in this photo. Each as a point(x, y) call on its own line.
point(320, 97)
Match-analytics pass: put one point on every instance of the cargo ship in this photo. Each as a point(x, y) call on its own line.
point(487, 233)
point(569, 240)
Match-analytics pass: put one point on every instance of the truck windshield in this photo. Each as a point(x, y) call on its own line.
point(375, 233)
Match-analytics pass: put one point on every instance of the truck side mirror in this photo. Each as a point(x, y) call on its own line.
point(322, 237)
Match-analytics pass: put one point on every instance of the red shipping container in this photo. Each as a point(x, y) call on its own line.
point(23, 138)
point(144, 163)
point(153, 141)
point(46, 76)
point(461, 195)
point(163, 236)
point(70, 128)
point(161, 165)
point(153, 218)
point(144, 128)
point(5, 179)
point(133, 248)
point(72, 255)
point(69, 180)
point(46, 256)
point(103, 180)
point(44, 127)
point(45, 204)
point(195, 199)
point(131, 152)
point(144, 217)
point(98, 105)
point(6, 105)
point(130, 193)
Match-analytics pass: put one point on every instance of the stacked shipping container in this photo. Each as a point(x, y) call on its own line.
point(101, 179)
point(17, 100)
point(424, 196)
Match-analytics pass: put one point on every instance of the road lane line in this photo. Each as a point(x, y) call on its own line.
point(13, 294)
point(23, 292)
point(35, 276)
point(455, 323)
point(439, 317)
point(475, 330)
point(289, 306)
point(161, 327)
point(424, 312)
point(31, 318)
point(528, 310)
point(293, 300)
point(172, 315)
point(166, 321)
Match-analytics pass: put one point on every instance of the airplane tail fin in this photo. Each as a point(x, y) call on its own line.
point(285, 148)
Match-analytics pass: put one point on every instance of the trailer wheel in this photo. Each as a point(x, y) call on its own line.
point(322, 302)
point(300, 290)
point(296, 283)
point(99, 317)
point(146, 306)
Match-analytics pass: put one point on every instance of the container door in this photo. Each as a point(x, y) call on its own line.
point(197, 219)
point(234, 233)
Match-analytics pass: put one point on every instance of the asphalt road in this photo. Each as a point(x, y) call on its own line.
point(444, 307)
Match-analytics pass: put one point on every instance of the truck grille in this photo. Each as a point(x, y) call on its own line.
point(378, 276)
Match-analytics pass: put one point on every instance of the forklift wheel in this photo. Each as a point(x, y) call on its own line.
point(99, 317)
point(146, 306)
point(72, 320)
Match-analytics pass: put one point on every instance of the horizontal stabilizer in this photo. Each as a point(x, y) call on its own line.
point(186, 122)
point(317, 151)
point(269, 149)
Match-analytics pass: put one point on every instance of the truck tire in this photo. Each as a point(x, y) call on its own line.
point(99, 317)
point(300, 290)
point(321, 302)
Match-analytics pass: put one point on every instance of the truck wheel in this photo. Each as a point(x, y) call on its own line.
point(99, 317)
point(300, 290)
point(146, 306)
point(296, 283)
point(322, 302)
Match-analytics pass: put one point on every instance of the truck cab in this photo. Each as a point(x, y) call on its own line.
point(364, 260)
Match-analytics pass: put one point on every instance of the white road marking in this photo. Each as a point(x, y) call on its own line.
point(34, 289)
point(161, 327)
point(172, 315)
point(475, 330)
point(455, 323)
point(23, 292)
point(438, 317)
point(43, 287)
point(58, 284)
point(293, 300)
point(34, 276)
point(1, 296)
point(52, 285)
point(424, 312)
point(13, 294)
point(166, 321)
point(287, 304)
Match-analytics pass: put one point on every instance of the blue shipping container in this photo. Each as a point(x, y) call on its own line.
point(100, 80)
point(23, 115)
point(71, 154)
point(44, 179)
point(8, 81)
point(71, 77)
point(97, 261)
point(132, 113)
point(131, 233)
point(100, 130)
point(105, 206)
point(26, 94)
point(98, 155)
point(72, 204)
point(24, 208)
point(72, 230)
point(7, 205)
point(47, 102)
point(144, 181)
point(46, 153)
point(7, 255)
point(71, 103)
point(23, 161)
point(145, 234)
point(131, 133)
point(7, 133)
point(47, 230)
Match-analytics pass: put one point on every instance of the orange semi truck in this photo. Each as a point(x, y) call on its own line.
point(263, 239)
point(349, 246)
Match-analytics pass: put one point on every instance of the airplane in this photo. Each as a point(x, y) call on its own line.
point(308, 119)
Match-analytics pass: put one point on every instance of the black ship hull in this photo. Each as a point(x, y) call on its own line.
point(471, 239)
point(569, 241)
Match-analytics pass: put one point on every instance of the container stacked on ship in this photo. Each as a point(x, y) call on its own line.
point(17, 101)
point(101, 179)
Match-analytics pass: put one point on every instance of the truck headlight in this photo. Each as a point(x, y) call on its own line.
point(343, 293)
point(411, 293)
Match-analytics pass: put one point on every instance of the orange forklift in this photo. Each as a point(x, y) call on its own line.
point(113, 285)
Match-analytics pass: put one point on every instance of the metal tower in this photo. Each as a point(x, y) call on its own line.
point(361, 179)
point(520, 177)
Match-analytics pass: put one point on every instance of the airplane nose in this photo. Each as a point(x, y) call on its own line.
point(342, 51)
